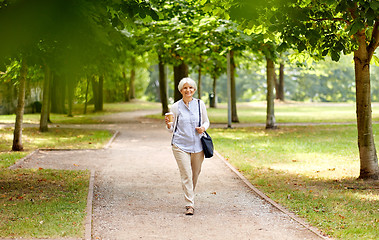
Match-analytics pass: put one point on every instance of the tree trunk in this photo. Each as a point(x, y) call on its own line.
point(180, 72)
point(276, 86)
point(57, 96)
point(367, 151)
point(199, 80)
point(86, 101)
point(17, 134)
point(280, 89)
point(126, 92)
point(71, 94)
point(163, 86)
point(97, 88)
point(212, 100)
point(95, 91)
point(49, 97)
point(43, 125)
point(270, 117)
point(132, 91)
point(199, 83)
point(100, 94)
point(233, 88)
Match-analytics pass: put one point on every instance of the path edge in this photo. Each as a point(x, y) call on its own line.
point(22, 160)
point(292, 215)
point(112, 139)
point(88, 221)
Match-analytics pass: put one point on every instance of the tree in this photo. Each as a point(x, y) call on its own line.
point(163, 86)
point(43, 126)
point(279, 83)
point(329, 27)
point(270, 116)
point(17, 134)
point(233, 88)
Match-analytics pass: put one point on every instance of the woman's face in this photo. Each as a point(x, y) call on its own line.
point(187, 90)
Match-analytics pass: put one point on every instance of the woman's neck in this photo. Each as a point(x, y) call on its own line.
point(187, 100)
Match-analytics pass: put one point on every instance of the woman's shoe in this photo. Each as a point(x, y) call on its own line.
point(189, 210)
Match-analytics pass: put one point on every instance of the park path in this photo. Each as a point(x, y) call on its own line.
point(137, 190)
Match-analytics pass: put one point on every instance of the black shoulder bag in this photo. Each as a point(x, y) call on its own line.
point(206, 140)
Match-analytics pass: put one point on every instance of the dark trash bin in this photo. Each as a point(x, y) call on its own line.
point(37, 106)
point(212, 100)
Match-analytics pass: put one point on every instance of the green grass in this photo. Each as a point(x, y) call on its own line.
point(80, 118)
point(291, 112)
point(9, 158)
point(43, 203)
point(312, 170)
point(55, 138)
point(49, 203)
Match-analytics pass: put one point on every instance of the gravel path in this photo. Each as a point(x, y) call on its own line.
point(137, 192)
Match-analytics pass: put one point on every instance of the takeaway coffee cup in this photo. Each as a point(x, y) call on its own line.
point(170, 116)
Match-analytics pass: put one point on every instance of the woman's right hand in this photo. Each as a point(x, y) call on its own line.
point(167, 121)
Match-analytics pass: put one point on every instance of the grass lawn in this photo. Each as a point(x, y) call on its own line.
point(311, 170)
point(43, 203)
point(291, 112)
point(60, 138)
point(80, 118)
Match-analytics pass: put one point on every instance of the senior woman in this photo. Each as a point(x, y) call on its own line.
point(186, 133)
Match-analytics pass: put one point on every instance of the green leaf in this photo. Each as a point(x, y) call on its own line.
point(356, 26)
point(375, 59)
point(371, 16)
point(339, 46)
point(282, 47)
point(301, 47)
point(375, 5)
point(342, 6)
point(335, 56)
point(141, 12)
point(154, 15)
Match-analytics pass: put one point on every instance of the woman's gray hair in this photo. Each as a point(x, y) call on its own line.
point(188, 80)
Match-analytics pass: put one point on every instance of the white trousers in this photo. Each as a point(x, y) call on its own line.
point(189, 165)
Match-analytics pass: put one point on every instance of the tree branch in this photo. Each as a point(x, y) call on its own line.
point(374, 40)
point(330, 19)
point(353, 11)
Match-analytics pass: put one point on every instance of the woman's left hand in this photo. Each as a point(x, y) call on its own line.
point(200, 130)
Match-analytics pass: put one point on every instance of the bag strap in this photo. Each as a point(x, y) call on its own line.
point(176, 126)
point(198, 102)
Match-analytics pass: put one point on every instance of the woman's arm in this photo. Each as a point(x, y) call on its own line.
point(174, 110)
point(204, 116)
